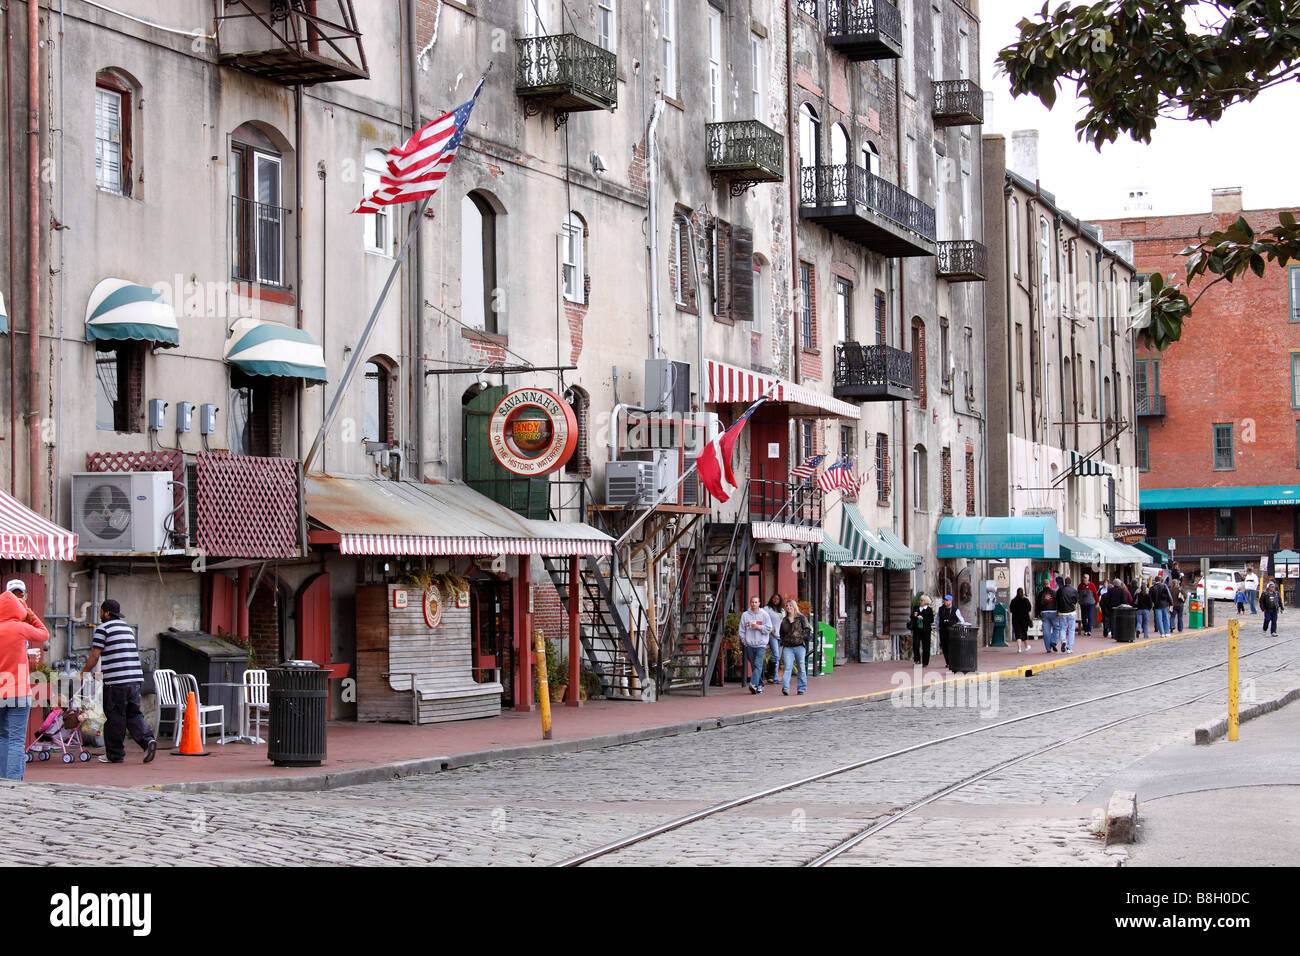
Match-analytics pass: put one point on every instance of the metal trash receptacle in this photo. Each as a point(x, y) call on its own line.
point(297, 693)
point(827, 635)
point(1124, 624)
point(963, 649)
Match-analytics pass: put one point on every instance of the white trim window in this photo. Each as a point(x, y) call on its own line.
point(377, 226)
point(715, 65)
point(757, 75)
point(668, 47)
point(572, 274)
point(607, 25)
point(1045, 263)
point(535, 16)
point(108, 140)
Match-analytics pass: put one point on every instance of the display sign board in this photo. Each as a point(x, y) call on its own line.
point(1130, 533)
point(532, 432)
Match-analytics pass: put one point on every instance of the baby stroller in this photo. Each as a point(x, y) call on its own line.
point(62, 730)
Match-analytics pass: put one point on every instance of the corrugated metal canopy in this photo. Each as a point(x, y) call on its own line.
point(379, 517)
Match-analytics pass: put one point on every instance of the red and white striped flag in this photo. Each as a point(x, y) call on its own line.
point(808, 468)
point(830, 479)
point(417, 168)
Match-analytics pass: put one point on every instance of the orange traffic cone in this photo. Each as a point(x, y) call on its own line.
point(191, 739)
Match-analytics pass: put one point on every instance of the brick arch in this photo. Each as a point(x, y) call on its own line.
point(580, 463)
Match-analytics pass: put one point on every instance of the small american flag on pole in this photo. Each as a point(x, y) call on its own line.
point(807, 469)
point(830, 479)
point(417, 168)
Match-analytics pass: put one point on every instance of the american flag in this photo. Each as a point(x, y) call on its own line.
point(830, 479)
point(416, 169)
point(807, 469)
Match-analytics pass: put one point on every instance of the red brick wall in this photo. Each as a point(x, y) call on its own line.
point(426, 15)
point(945, 469)
point(263, 628)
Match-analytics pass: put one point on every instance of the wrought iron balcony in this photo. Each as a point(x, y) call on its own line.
point(864, 29)
point(1248, 547)
point(566, 72)
point(745, 153)
point(872, 373)
point(963, 260)
point(788, 503)
point(1150, 406)
point(291, 42)
point(958, 103)
point(864, 208)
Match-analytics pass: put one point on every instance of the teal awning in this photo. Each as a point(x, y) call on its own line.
point(278, 351)
point(1072, 549)
point(1115, 553)
point(1286, 557)
point(1152, 550)
point(902, 558)
point(121, 311)
point(1238, 496)
point(999, 538)
point(864, 547)
point(4, 316)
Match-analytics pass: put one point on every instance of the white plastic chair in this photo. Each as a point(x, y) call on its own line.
point(253, 705)
point(187, 684)
point(164, 685)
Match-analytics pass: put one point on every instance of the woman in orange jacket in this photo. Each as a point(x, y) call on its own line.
point(18, 629)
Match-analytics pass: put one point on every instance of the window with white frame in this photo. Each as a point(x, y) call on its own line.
point(843, 309)
point(809, 136)
point(1045, 262)
point(909, 73)
point(109, 139)
point(968, 354)
point(607, 25)
point(871, 158)
point(920, 479)
point(761, 294)
point(683, 264)
point(535, 17)
point(377, 227)
point(572, 271)
point(839, 145)
point(1013, 234)
point(758, 75)
point(668, 47)
point(936, 43)
point(715, 64)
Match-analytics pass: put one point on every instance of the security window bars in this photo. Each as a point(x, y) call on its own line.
point(1143, 452)
point(882, 468)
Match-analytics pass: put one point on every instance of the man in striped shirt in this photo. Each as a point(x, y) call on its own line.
point(115, 652)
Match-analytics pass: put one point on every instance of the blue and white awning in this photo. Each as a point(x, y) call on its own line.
point(4, 316)
point(121, 311)
point(277, 351)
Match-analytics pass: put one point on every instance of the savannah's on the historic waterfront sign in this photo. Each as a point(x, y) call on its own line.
point(532, 431)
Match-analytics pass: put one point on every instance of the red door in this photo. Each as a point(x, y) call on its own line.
point(218, 616)
point(769, 470)
point(313, 607)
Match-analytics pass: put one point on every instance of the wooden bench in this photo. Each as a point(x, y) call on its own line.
point(438, 699)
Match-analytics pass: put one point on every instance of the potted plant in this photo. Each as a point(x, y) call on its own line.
point(734, 654)
point(591, 687)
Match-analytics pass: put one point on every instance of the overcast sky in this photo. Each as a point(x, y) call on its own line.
point(1255, 146)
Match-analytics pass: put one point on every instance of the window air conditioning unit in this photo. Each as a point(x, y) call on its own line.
point(664, 462)
point(668, 386)
point(115, 512)
point(629, 482)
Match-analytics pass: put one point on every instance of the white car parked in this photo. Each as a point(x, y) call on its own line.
point(1222, 583)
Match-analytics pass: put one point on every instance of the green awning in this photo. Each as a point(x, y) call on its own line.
point(277, 351)
point(1152, 550)
point(828, 552)
point(1115, 553)
point(902, 557)
point(1238, 496)
point(999, 538)
point(856, 537)
point(122, 311)
point(1072, 549)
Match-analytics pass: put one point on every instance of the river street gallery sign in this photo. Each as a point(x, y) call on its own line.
point(532, 432)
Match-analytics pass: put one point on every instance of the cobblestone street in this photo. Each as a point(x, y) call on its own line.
point(544, 809)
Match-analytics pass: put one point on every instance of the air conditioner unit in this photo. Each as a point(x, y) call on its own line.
point(629, 482)
point(664, 462)
point(116, 512)
point(667, 385)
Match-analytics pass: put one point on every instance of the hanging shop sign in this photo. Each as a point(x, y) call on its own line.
point(432, 606)
point(532, 432)
point(1130, 533)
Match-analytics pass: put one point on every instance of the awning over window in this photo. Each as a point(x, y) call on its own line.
point(1072, 549)
point(370, 516)
point(1115, 553)
point(873, 549)
point(4, 316)
point(1152, 550)
point(831, 553)
point(1240, 496)
point(999, 538)
point(728, 384)
point(121, 311)
point(26, 536)
point(902, 558)
point(1079, 465)
point(276, 351)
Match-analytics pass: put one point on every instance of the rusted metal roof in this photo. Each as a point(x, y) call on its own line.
point(374, 516)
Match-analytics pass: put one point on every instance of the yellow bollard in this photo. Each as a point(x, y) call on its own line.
point(1233, 721)
point(543, 688)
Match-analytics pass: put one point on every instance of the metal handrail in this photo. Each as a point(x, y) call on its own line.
point(850, 185)
point(863, 17)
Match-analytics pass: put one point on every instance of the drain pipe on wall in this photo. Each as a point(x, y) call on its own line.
point(34, 253)
point(652, 169)
point(417, 264)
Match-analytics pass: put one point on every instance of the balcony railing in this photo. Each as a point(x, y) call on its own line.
point(861, 206)
point(782, 502)
point(291, 42)
point(1248, 547)
point(566, 72)
point(872, 373)
point(958, 103)
point(257, 241)
point(864, 29)
point(963, 260)
point(1150, 405)
point(745, 153)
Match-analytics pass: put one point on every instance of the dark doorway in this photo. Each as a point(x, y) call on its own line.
point(851, 636)
point(492, 632)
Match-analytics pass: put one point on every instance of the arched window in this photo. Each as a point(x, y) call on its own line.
point(479, 290)
point(115, 97)
point(839, 145)
point(920, 479)
point(379, 422)
point(573, 268)
point(259, 217)
point(809, 136)
point(871, 158)
point(918, 360)
point(377, 226)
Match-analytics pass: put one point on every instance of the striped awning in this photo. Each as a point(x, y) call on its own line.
point(1072, 549)
point(828, 552)
point(4, 316)
point(781, 531)
point(122, 311)
point(874, 549)
point(276, 351)
point(727, 384)
point(902, 557)
point(1084, 465)
point(26, 536)
point(1116, 553)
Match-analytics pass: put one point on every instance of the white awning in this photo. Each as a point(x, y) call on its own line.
point(1086, 465)
point(123, 311)
point(727, 384)
point(278, 351)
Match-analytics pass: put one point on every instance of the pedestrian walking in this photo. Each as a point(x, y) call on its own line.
point(1067, 604)
point(1270, 604)
point(1022, 615)
point(115, 651)
point(948, 619)
point(1047, 614)
point(922, 626)
point(1240, 598)
point(16, 636)
point(775, 610)
point(1142, 601)
point(1179, 599)
point(1162, 599)
point(1252, 587)
point(755, 630)
point(795, 632)
point(1088, 598)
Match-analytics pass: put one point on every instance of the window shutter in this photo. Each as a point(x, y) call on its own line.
point(742, 274)
point(721, 268)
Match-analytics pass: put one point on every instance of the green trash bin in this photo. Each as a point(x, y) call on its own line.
point(827, 634)
point(1001, 618)
point(1196, 613)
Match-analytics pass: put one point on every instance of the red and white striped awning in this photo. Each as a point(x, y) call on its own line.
point(393, 544)
point(26, 536)
point(726, 384)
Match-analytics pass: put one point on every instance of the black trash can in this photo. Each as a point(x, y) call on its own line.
point(297, 693)
point(964, 649)
point(1124, 623)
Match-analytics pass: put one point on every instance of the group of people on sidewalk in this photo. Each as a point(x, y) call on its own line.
point(922, 626)
point(778, 632)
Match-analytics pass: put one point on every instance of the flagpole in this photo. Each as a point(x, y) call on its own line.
point(359, 349)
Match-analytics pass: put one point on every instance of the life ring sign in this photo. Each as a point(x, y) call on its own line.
point(533, 432)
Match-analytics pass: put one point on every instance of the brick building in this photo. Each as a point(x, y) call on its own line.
point(1219, 410)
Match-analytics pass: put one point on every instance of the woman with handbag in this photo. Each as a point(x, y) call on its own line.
point(795, 632)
